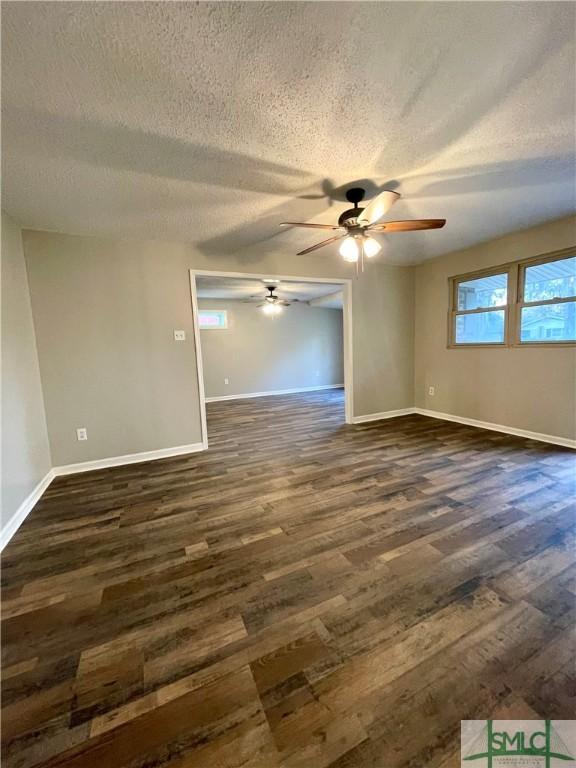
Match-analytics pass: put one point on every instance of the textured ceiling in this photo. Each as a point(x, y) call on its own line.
point(211, 123)
point(239, 288)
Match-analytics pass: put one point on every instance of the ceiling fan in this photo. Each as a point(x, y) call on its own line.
point(356, 225)
point(272, 303)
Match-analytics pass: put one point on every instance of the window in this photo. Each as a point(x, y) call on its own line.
point(548, 301)
point(212, 319)
point(480, 310)
point(527, 302)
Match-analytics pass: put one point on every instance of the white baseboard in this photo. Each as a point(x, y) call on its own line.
point(24, 509)
point(85, 466)
point(565, 442)
point(129, 458)
point(382, 415)
point(274, 392)
point(133, 458)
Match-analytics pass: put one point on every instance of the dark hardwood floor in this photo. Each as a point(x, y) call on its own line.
point(305, 594)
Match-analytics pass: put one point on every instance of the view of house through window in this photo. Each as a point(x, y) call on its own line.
point(523, 303)
point(545, 318)
point(479, 319)
point(480, 328)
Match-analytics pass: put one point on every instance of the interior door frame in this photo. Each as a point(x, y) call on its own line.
point(346, 284)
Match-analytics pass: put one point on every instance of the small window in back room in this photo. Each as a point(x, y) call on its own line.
point(212, 319)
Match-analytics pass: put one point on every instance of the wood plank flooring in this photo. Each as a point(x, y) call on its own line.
point(305, 594)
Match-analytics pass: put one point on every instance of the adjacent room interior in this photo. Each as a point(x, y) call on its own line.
point(262, 337)
point(288, 382)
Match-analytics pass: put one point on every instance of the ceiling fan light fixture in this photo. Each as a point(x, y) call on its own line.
point(355, 225)
point(349, 249)
point(271, 309)
point(371, 247)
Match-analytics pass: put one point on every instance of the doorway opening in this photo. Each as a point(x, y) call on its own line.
point(272, 337)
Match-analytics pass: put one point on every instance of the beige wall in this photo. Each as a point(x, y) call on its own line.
point(302, 347)
point(526, 388)
point(105, 311)
point(25, 450)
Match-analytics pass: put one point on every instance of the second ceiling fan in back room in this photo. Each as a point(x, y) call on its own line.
point(271, 304)
point(357, 225)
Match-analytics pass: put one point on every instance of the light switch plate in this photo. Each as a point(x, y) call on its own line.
point(179, 335)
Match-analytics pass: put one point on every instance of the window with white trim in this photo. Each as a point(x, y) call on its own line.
point(526, 302)
point(481, 308)
point(547, 301)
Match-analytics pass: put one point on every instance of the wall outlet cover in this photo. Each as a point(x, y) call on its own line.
point(179, 335)
point(431, 390)
point(82, 433)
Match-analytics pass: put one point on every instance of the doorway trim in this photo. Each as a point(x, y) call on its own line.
point(346, 284)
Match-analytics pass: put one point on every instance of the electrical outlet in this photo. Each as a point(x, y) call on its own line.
point(179, 335)
point(82, 433)
point(226, 381)
point(432, 391)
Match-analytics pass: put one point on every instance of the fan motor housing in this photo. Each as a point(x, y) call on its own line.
point(355, 195)
point(349, 217)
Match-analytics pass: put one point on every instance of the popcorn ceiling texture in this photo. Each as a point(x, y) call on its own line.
point(210, 123)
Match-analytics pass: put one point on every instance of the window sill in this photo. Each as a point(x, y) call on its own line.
point(517, 345)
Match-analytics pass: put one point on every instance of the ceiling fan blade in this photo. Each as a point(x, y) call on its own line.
point(406, 226)
point(378, 207)
point(283, 303)
point(321, 245)
point(310, 226)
